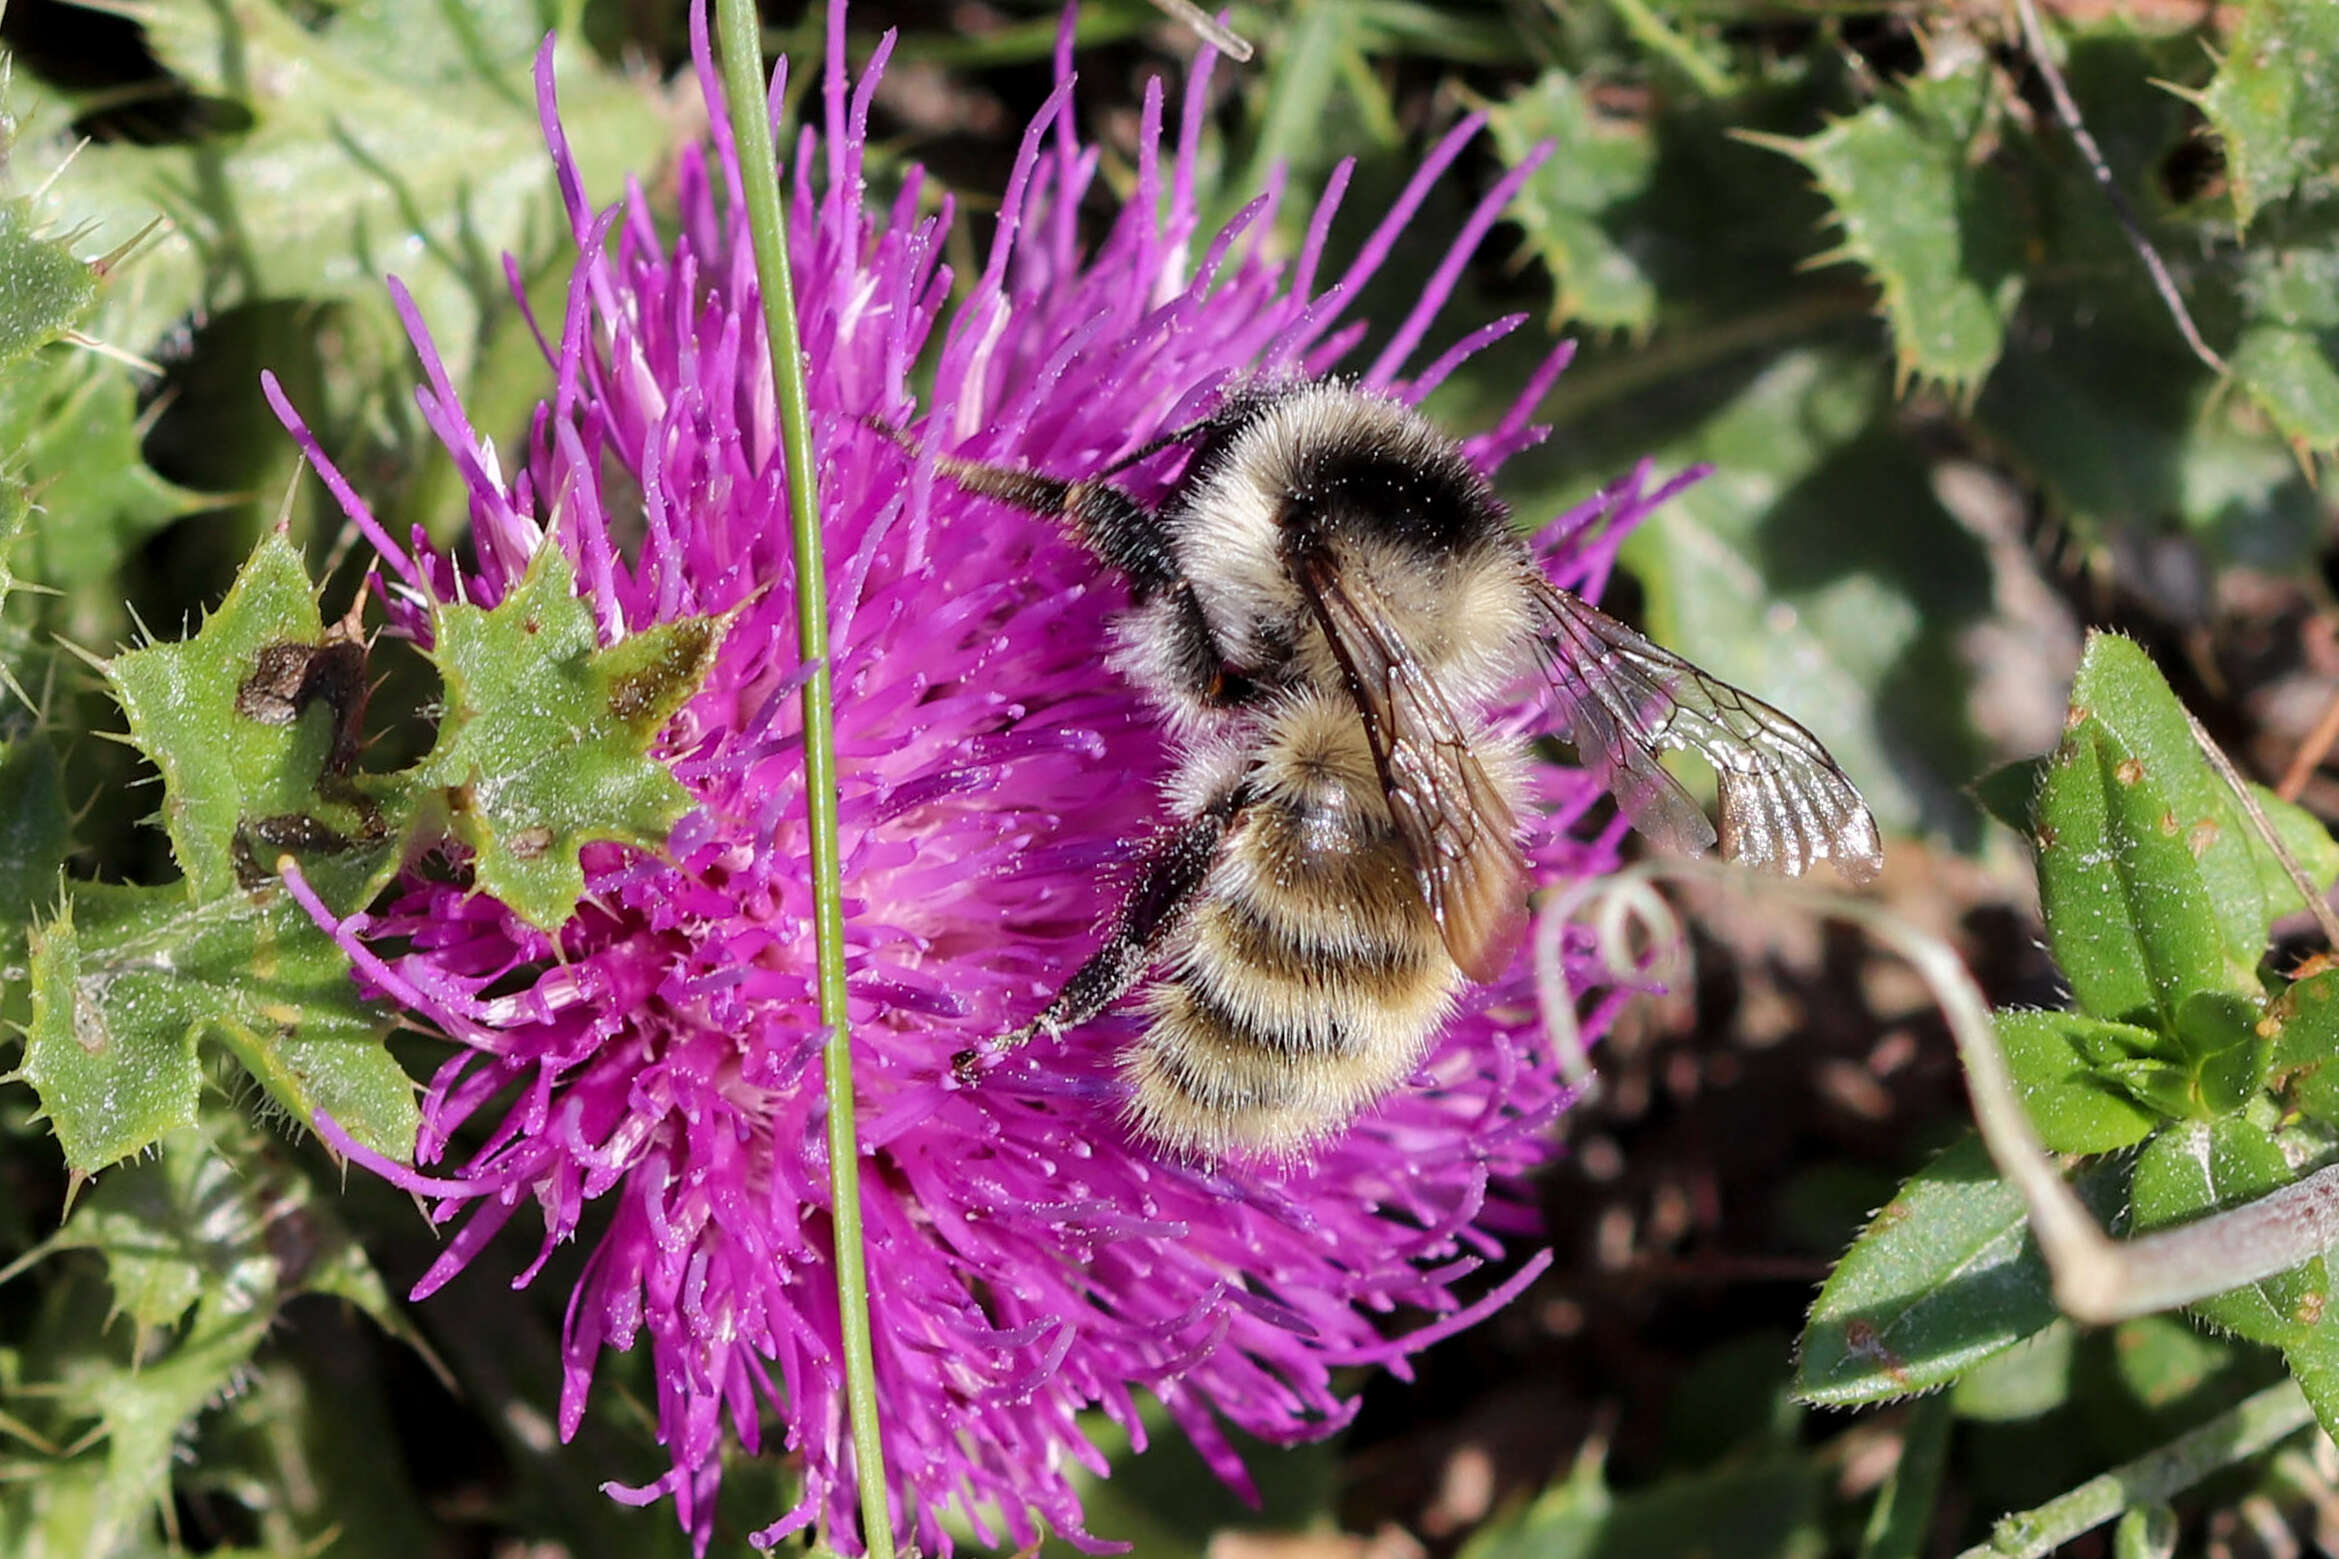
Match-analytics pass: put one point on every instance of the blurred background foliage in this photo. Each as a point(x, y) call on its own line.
point(1844, 251)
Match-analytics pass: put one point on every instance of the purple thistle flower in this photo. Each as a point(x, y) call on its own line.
point(1028, 1258)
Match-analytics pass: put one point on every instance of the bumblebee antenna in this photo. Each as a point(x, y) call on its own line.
point(1046, 496)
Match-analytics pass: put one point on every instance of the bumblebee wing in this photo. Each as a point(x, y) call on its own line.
point(1454, 820)
point(1785, 804)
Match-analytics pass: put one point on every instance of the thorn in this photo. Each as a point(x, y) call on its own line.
point(122, 355)
point(163, 401)
point(1784, 145)
point(54, 173)
point(93, 662)
point(105, 264)
point(300, 467)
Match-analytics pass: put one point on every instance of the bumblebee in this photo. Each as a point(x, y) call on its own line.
point(1323, 606)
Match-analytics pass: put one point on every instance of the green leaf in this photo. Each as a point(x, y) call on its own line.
point(2313, 1358)
point(44, 290)
point(546, 736)
point(251, 723)
point(1943, 1278)
point(2058, 1061)
point(2029, 1379)
point(142, 1410)
point(311, 1450)
point(1598, 166)
point(2162, 1361)
point(2275, 102)
point(2119, 688)
point(2097, 396)
point(15, 511)
point(1933, 221)
point(2128, 918)
point(2010, 791)
point(107, 1091)
point(2289, 373)
point(1295, 93)
point(2303, 1023)
point(2225, 1052)
point(2194, 1169)
point(2289, 296)
point(1904, 1513)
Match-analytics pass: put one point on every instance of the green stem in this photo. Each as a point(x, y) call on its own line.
point(743, 86)
point(1903, 1516)
point(2231, 1437)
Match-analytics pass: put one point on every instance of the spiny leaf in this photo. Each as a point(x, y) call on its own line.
point(15, 509)
point(2275, 102)
point(202, 1245)
point(69, 424)
point(2289, 294)
point(112, 1052)
point(108, 1091)
point(2129, 434)
point(252, 723)
point(44, 290)
point(220, 1210)
point(143, 1410)
point(1932, 222)
point(544, 746)
point(1597, 166)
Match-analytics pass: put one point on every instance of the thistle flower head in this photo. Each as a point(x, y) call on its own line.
point(1029, 1259)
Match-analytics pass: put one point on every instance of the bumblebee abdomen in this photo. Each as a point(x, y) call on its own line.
point(1293, 1003)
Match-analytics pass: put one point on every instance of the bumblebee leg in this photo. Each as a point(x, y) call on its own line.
point(1123, 534)
point(1173, 873)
